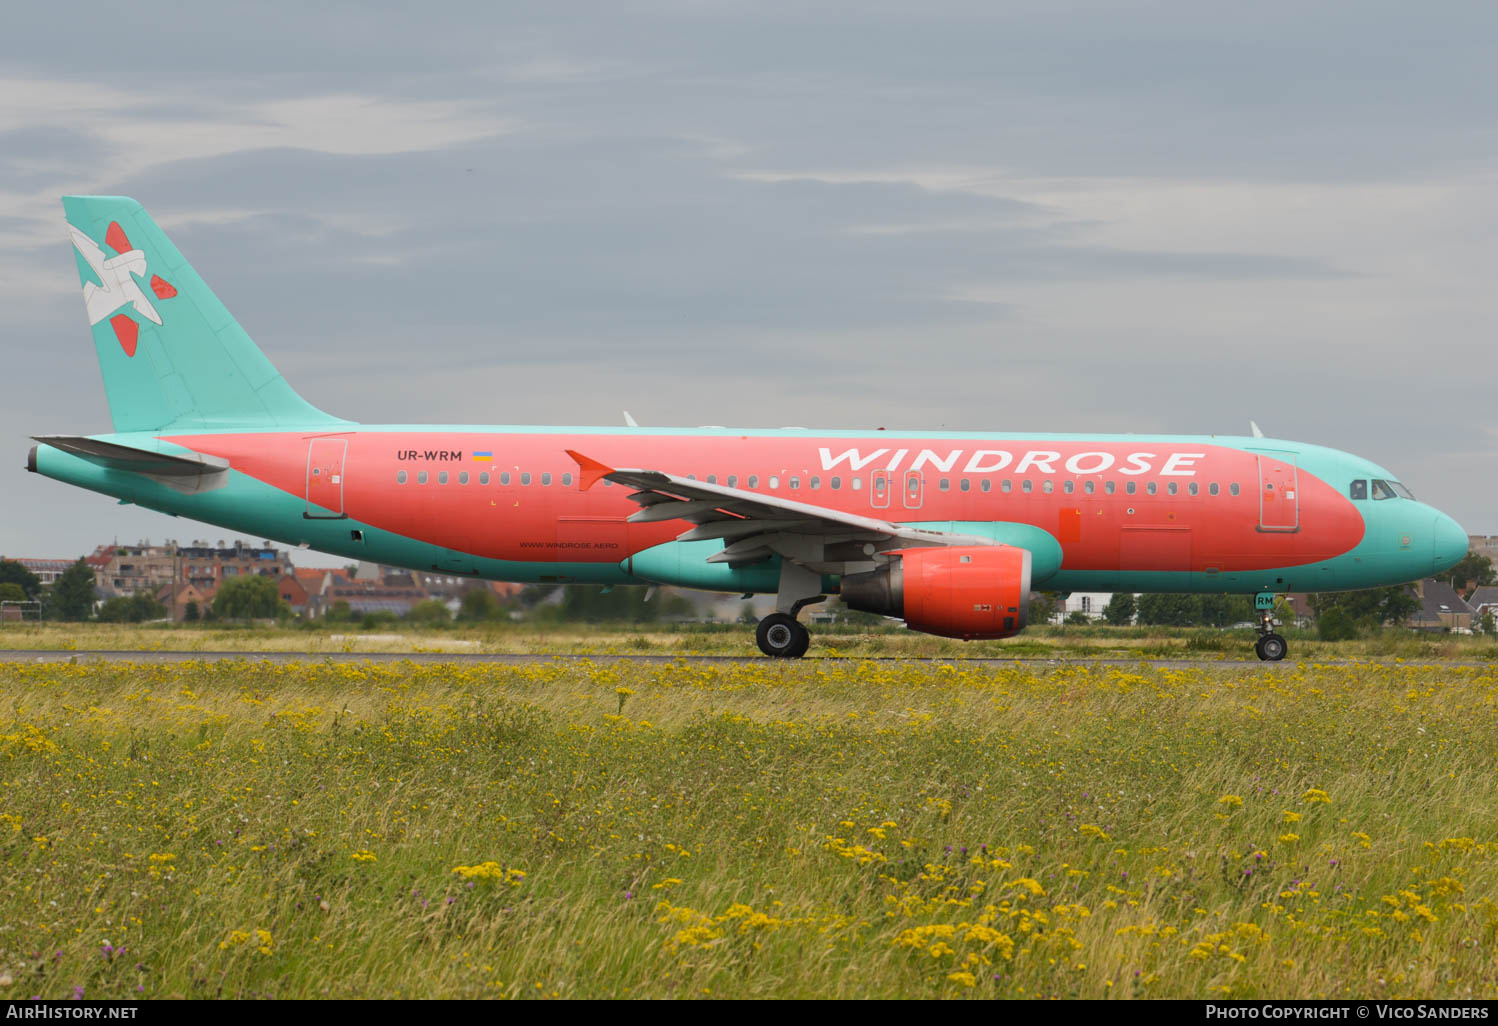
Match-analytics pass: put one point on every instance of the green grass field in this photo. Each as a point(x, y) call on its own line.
point(747, 830)
point(610, 639)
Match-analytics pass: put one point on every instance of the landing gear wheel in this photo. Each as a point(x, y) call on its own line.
point(782, 636)
point(1271, 648)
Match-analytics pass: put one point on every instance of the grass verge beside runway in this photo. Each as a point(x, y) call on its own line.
point(747, 830)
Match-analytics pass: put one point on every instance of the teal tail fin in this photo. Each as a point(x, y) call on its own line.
point(172, 356)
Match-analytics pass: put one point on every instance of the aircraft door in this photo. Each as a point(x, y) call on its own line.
point(913, 489)
point(879, 490)
point(325, 473)
point(1279, 499)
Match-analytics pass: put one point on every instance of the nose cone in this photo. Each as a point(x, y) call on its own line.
point(1448, 543)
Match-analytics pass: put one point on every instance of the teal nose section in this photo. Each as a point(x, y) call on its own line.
point(1448, 543)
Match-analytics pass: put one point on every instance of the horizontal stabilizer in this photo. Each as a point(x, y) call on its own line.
point(139, 461)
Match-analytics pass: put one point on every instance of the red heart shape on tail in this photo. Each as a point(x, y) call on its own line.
point(126, 330)
point(116, 238)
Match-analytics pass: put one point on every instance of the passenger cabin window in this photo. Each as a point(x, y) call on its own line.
point(462, 477)
point(546, 478)
point(1358, 489)
point(753, 480)
point(775, 481)
point(1212, 488)
point(966, 485)
point(857, 483)
point(712, 479)
point(1068, 487)
point(815, 482)
point(1129, 487)
point(835, 483)
point(1233, 488)
point(1006, 486)
point(1193, 488)
point(484, 478)
point(733, 480)
point(442, 477)
point(525, 477)
point(1027, 485)
point(1172, 488)
point(1381, 490)
point(944, 484)
point(400, 477)
point(1150, 487)
point(1089, 487)
point(566, 479)
point(421, 477)
point(504, 477)
point(1048, 486)
point(986, 485)
point(1110, 487)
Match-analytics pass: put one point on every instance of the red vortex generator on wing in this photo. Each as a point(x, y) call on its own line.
point(972, 593)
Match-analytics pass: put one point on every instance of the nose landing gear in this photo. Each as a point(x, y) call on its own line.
point(1270, 647)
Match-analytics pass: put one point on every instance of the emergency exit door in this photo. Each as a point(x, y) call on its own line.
point(1279, 498)
point(325, 475)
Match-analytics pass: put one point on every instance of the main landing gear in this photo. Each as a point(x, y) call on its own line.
point(1270, 647)
point(780, 635)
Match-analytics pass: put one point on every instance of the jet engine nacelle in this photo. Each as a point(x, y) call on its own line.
point(975, 592)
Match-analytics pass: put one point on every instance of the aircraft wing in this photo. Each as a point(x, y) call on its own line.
point(754, 526)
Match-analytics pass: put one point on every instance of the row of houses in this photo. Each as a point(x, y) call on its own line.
point(185, 578)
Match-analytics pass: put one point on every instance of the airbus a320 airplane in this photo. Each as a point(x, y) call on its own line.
point(947, 531)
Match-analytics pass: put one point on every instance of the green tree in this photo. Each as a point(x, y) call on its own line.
point(71, 596)
point(1120, 609)
point(1224, 610)
point(1336, 624)
point(1169, 610)
point(1489, 626)
point(1474, 571)
point(1373, 606)
point(1043, 606)
point(11, 592)
point(1078, 618)
point(12, 572)
point(429, 612)
point(132, 609)
point(247, 597)
point(480, 605)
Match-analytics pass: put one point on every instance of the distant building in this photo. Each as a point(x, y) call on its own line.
point(168, 570)
point(1441, 608)
point(1484, 545)
point(46, 570)
point(1089, 603)
point(1483, 601)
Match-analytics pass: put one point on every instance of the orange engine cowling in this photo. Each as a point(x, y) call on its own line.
point(972, 593)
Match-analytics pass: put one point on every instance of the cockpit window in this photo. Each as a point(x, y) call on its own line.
point(1358, 489)
point(1402, 490)
point(1381, 490)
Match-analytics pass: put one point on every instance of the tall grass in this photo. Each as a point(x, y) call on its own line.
point(747, 830)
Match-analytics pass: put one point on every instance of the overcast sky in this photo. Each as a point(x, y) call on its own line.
point(1169, 216)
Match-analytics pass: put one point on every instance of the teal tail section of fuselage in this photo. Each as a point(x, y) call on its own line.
point(172, 356)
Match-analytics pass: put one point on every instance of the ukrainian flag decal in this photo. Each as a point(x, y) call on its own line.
point(482, 456)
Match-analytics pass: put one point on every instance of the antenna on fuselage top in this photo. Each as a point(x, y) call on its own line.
point(1255, 429)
